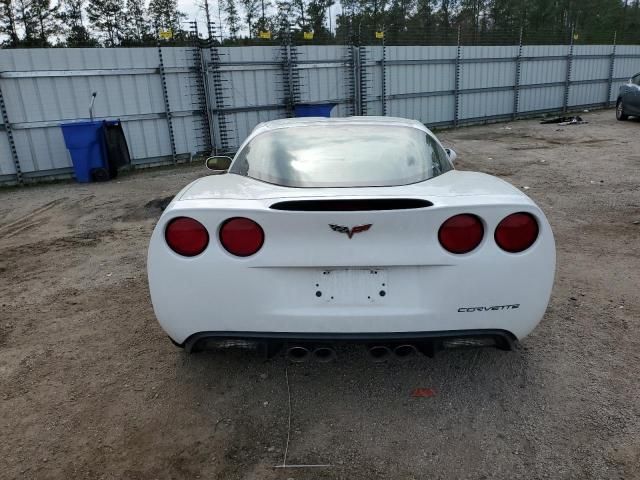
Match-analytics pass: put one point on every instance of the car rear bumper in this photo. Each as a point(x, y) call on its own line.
point(379, 287)
point(423, 299)
point(426, 342)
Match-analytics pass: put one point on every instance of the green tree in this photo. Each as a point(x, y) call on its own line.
point(317, 15)
point(472, 15)
point(508, 15)
point(445, 15)
point(71, 15)
point(137, 26)
point(106, 17)
point(8, 23)
point(46, 19)
point(164, 14)
point(252, 9)
point(423, 24)
point(26, 22)
point(300, 13)
point(233, 18)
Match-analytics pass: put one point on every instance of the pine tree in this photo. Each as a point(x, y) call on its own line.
point(164, 15)
point(106, 17)
point(446, 13)
point(72, 19)
point(137, 26)
point(317, 15)
point(266, 22)
point(472, 13)
point(8, 23)
point(233, 18)
point(38, 20)
point(423, 23)
point(45, 17)
point(26, 22)
point(252, 9)
point(298, 13)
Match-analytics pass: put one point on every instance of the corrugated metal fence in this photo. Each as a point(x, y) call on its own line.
point(178, 102)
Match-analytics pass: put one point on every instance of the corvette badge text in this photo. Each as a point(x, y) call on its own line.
point(484, 309)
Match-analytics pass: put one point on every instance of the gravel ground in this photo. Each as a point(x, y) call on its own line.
point(90, 387)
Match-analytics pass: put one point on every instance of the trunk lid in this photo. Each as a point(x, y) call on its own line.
point(404, 232)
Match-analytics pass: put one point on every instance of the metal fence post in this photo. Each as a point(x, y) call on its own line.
point(289, 58)
point(361, 75)
point(218, 91)
point(567, 82)
point(355, 57)
point(383, 67)
point(202, 99)
point(612, 65)
point(12, 144)
point(165, 95)
point(352, 78)
point(516, 86)
point(456, 91)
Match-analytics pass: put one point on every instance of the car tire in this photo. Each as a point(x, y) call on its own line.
point(620, 115)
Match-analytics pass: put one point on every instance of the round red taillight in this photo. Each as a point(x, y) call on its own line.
point(241, 237)
point(186, 236)
point(517, 232)
point(461, 233)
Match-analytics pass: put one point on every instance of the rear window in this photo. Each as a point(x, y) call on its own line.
point(342, 156)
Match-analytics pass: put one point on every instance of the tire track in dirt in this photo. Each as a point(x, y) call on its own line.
point(29, 220)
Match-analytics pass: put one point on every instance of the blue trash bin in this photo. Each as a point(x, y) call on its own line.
point(85, 142)
point(313, 109)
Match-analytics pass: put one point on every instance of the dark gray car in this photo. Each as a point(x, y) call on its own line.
point(629, 99)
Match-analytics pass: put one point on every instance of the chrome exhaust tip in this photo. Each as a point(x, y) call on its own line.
point(379, 353)
point(298, 354)
point(324, 354)
point(404, 351)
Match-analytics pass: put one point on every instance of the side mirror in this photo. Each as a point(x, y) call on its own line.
point(219, 163)
point(451, 153)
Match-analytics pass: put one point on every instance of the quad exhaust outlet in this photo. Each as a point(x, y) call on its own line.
point(302, 353)
point(298, 354)
point(404, 351)
point(380, 353)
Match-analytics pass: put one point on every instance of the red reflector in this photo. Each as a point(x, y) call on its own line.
point(517, 232)
point(186, 236)
point(241, 237)
point(461, 233)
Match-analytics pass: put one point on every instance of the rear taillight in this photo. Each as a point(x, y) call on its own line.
point(461, 233)
point(517, 232)
point(241, 237)
point(186, 236)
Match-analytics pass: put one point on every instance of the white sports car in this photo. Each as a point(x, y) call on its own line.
point(356, 229)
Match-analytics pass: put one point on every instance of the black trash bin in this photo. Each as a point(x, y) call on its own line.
point(117, 149)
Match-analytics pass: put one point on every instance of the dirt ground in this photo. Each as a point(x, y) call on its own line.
point(90, 387)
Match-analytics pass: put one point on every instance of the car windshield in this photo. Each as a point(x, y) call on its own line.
point(342, 156)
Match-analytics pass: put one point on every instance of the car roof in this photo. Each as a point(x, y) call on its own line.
point(356, 120)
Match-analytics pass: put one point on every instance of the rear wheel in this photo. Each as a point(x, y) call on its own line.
point(620, 115)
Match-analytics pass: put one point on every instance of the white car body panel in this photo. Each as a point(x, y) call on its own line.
point(427, 289)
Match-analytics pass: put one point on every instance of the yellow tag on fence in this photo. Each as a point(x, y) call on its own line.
point(379, 35)
point(265, 35)
point(166, 34)
point(308, 35)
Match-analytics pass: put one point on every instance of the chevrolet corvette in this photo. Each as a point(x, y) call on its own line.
point(328, 230)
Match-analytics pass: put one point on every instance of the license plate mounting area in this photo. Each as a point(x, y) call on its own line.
point(351, 286)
